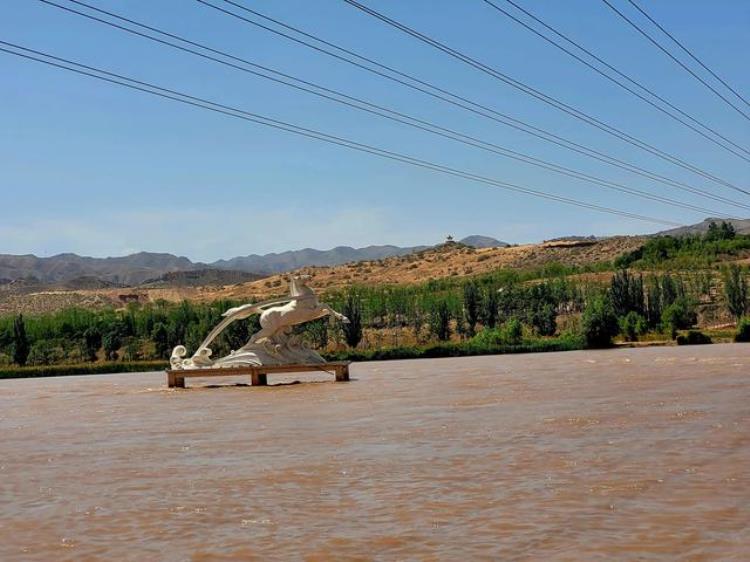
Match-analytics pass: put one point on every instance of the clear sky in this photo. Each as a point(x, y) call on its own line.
point(95, 169)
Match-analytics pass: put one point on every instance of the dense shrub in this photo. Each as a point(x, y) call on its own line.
point(680, 315)
point(21, 347)
point(472, 303)
point(626, 292)
point(685, 252)
point(743, 330)
point(632, 325)
point(599, 322)
point(693, 337)
point(544, 320)
point(735, 290)
point(82, 369)
point(456, 349)
point(352, 309)
point(510, 333)
point(440, 318)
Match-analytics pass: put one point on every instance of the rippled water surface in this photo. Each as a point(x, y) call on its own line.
point(611, 455)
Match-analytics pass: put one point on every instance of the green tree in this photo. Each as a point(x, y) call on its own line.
point(626, 291)
point(317, 331)
point(92, 341)
point(743, 330)
point(132, 349)
point(440, 321)
point(489, 309)
point(160, 337)
point(471, 307)
point(544, 320)
point(727, 230)
point(654, 307)
point(632, 325)
point(352, 309)
point(735, 291)
point(600, 322)
point(716, 232)
point(713, 232)
point(111, 343)
point(512, 332)
point(669, 291)
point(21, 345)
point(680, 315)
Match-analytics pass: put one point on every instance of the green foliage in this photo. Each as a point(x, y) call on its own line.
point(440, 318)
point(92, 341)
point(743, 330)
point(471, 306)
point(535, 297)
point(599, 322)
point(687, 252)
point(111, 343)
point(544, 320)
point(626, 292)
point(680, 315)
point(81, 369)
point(735, 290)
point(44, 352)
point(511, 333)
point(352, 309)
point(21, 346)
point(457, 349)
point(160, 338)
point(489, 310)
point(693, 337)
point(632, 325)
point(725, 231)
point(317, 332)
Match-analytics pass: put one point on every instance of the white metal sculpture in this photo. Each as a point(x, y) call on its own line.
point(274, 343)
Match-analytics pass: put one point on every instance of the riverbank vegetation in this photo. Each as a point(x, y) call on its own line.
point(667, 286)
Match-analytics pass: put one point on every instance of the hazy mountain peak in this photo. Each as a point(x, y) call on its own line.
point(478, 241)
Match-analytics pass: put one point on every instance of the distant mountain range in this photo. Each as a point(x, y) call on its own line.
point(72, 270)
point(161, 269)
point(288, 261)
point(741, 226)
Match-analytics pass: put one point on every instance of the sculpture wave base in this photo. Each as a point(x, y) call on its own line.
point(250, 355)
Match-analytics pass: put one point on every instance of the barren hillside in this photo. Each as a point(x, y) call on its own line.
point(438, 262)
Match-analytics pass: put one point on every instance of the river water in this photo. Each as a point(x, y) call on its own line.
point(607, 455)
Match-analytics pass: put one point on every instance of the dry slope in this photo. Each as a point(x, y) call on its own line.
point(442, 261)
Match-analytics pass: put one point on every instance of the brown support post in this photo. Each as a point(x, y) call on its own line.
point(170, 380)
point(258, 379)
point(342, 373)
point(179, 382)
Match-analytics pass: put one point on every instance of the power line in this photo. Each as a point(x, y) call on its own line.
point(230, 111)
point(457, 100)
point(675, 59)
point(684, 48)
point(380, 111)
point(618, 82)
point(549, 100)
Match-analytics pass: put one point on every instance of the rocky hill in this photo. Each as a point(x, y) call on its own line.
point(741, 226)
point(145, 267)
point(288, 261)
point(445, 260)
point(64, 268)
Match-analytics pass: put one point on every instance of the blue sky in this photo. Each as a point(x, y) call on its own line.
point(99, 170)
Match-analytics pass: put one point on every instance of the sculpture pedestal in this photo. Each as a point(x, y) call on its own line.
point(258, 374)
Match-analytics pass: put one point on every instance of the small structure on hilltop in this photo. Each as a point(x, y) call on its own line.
point(272, 348)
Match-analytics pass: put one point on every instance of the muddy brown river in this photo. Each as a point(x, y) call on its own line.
point(608, 455)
